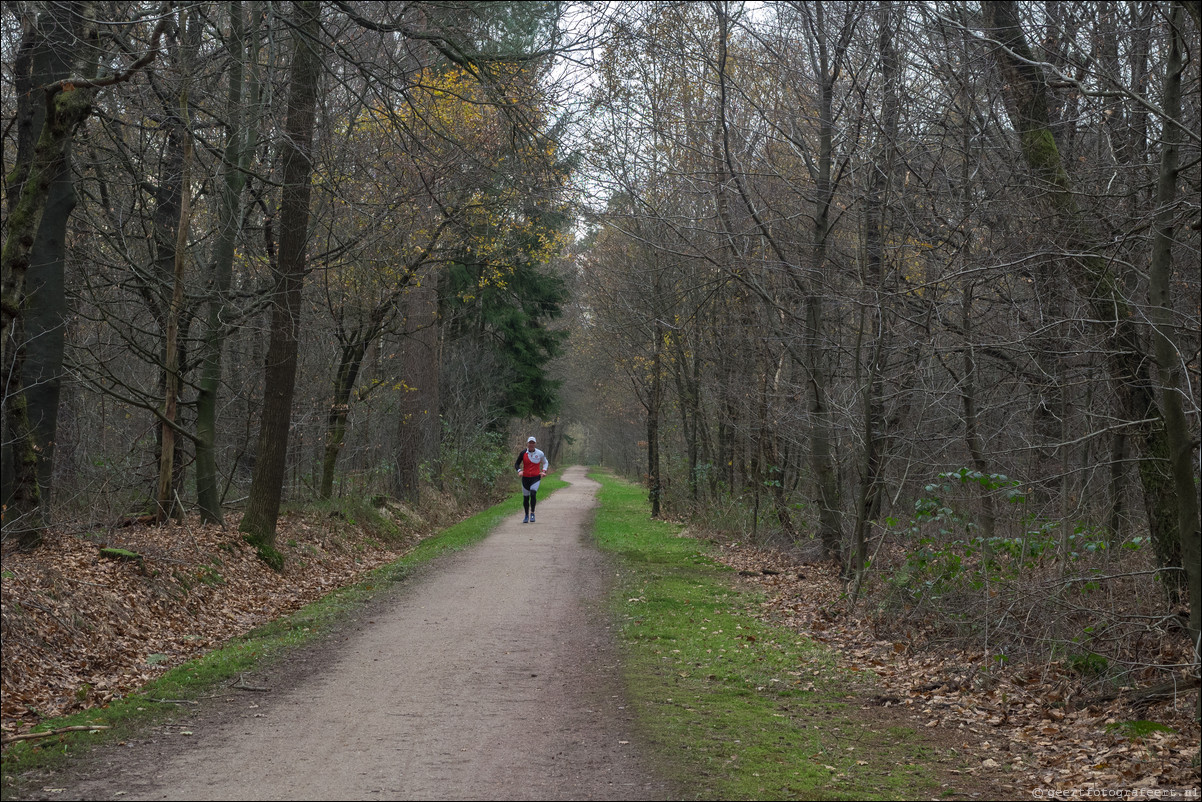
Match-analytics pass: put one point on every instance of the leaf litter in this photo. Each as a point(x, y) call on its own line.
point(1032, 728)
point(80, 630)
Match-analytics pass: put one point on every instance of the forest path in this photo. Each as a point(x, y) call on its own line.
point(489, 676)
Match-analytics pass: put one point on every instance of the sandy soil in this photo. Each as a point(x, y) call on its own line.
point(491, 675)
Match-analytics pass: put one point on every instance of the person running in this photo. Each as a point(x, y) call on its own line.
point(533, 466)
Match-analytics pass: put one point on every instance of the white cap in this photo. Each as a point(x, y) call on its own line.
point(531, 440)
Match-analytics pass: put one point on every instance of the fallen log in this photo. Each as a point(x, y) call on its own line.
point(1144, 697)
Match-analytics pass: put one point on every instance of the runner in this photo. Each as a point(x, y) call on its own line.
point(533, 466)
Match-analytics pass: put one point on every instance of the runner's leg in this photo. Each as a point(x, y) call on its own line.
point(528, 495)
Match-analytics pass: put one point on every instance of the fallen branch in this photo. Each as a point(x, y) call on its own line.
point(1143, 697)
point(28, 736)
point(173, 701)
point(242, 686)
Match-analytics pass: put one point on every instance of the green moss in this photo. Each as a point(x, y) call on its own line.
point(737, 708)
point(1041, 152)
point(209, 575)
point(269, 554)
point(126, 555)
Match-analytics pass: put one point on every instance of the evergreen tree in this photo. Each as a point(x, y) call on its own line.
point(510, 319)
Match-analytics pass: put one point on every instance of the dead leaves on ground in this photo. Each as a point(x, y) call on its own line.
point(80, 629)
point(1031, 726)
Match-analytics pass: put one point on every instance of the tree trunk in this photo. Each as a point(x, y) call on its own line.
point(45, 322)
point(1116, 516)
point(1090, 272)
point(822, 461)
point(166, 496)
point(972, 434)
point(66, 107)
point(1169, 361)
point(267, 482)
point(873, 318)
point(239, 149)
point(654, 481)
point(1048, 409)
point(684, 375)
point(344, 383)
point(968, 394)
point(418, 422)
point(51, 52)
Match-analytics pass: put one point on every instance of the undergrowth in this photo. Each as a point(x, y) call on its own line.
point(1019, 586)
point(973, 563)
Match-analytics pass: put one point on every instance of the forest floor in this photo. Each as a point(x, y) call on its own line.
point(1049, 730)
point(489, 675)
point(79, 630)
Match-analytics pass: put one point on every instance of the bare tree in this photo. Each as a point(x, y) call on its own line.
point(263, 507)
point(68, 102)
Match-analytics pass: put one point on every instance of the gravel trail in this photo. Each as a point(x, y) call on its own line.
point(491, 675)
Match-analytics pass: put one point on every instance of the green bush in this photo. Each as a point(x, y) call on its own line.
point(470, 464)
point(946, 550)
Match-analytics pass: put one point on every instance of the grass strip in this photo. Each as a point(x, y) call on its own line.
point(185, 683)
point(736, 708)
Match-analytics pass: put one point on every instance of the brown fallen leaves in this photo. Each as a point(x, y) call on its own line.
point(1037, 726)
point(80, 629)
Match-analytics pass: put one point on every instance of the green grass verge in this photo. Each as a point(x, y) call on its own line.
point(197, 677)
point(735, 708)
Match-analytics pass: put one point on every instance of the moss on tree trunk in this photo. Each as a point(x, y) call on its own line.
point(1090, 273)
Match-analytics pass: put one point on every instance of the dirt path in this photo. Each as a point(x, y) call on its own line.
point(490, 676)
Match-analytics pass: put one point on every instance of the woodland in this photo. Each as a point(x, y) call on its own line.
point(906, 289)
